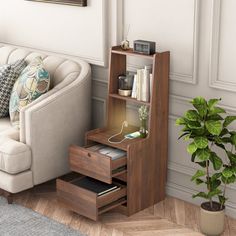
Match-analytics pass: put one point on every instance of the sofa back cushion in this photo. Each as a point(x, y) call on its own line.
point(62, 71)
point(8, 75)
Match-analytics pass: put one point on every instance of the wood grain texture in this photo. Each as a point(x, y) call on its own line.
point(86, 202)
point(169, 217)
point(146, 158)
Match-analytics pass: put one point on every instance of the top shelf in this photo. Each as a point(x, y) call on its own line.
point(130, 52)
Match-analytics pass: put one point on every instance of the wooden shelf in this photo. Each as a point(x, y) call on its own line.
point(129, 99)
point(104, 134)
point(130, 52)
point(142, 170)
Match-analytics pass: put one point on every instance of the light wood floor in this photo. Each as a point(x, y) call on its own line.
point(170, 217)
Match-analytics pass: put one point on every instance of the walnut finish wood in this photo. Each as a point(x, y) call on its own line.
point(106, 133)
point(129, 99)
point(94, 164)
point(86, 202)
point(7, 195)
point(146, 159)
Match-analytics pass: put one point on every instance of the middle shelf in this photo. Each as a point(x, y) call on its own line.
point(129, 99)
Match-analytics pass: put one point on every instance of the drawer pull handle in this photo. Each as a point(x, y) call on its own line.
point(89, 155)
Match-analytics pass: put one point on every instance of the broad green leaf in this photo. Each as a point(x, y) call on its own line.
point(213, 193)
point(216, 161)
point(192, 115)
point(198, 132)
point(229, 120)
point(213, 102)
point(216, 176)
point(186, 129)
point(227, 172)
point(232, 179)
point(203, 154)
point(229, 180)
point(198, 174)
point(202, 164)
point(214, 127)
point(222, 199)
point(199, 181)
point(201, 142)
point(193, 124)
point(226, 140)
point(224, 132)
point(201, 194)
point(192, 148)
point(193, 156)
point(180, 121)
point(183, 134)
point(216, 110)
point(218, 140)
point(215, 184)
point(232, 158)
point(233, 139)
point(201, 105)
point(187, 137)
point(215, 117)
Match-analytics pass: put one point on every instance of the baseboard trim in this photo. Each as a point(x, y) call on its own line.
point(185, 194)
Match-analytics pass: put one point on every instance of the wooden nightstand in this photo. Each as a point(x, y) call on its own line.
point(141, 172)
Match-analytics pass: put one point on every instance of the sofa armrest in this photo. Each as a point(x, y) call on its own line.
point(53, 122)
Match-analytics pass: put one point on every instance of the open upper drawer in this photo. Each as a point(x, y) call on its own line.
point(91, 163)
point(86, 202)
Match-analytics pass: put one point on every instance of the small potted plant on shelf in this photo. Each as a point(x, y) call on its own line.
point(207, 128)
point(143, 115)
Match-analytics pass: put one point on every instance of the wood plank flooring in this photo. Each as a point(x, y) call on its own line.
point(170, 217)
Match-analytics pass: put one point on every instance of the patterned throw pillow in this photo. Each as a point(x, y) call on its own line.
point(31, 84)
point(8, 76)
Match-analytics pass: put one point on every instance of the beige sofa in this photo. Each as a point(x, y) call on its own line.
point(38, 151)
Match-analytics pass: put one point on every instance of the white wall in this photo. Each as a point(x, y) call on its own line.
point(200, 34)
point(77, 31)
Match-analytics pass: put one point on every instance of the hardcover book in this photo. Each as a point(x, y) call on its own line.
point(95, 186)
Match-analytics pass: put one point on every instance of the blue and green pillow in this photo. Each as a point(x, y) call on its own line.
point(31, 84)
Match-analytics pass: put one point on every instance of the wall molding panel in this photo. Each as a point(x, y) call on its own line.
point(214, 80)
point(185, 78)
point(182, 77)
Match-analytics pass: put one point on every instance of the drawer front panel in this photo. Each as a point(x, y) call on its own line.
point(77, 199)
point(88, 203)
point(90, 164)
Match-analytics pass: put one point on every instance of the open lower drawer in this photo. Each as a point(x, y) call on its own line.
point(85, 202)
point(98, 166)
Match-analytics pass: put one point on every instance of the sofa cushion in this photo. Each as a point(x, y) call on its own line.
point(8, 76)
point(15, 157)
point(6, 129)
point(31, 84)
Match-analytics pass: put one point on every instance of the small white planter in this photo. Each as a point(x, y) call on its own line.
point(212, 222)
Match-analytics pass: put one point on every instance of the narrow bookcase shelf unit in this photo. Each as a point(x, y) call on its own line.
point(141, 172)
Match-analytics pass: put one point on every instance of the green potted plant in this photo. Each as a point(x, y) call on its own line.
point(206, 127)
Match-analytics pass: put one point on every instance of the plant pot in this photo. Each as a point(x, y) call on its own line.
point(212, 221)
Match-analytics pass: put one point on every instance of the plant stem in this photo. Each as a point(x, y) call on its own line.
point(221, 205)
point(208, 182)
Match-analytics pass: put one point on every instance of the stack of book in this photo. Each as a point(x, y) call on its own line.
point(142, 85)
point(96, 186)
point(113, 153)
